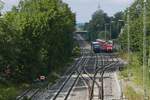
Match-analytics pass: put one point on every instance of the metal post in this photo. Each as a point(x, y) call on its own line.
point(118, 27)
point(128, 29)
point(121, 83)
point(105, 32)
point(144, 49)
point(110, 31)
point(149, 74)
point(102, 88)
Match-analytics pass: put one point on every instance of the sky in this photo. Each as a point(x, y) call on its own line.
point(85, 8)
point(9, 3)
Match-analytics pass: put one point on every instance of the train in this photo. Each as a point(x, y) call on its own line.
point(95, 47)
point(102, 46)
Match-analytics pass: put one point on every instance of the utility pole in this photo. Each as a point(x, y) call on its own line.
point(111, 22)
point(105, 32)
point(148, 78)
point(110, 30)
point(128, 31)
point(144, 50)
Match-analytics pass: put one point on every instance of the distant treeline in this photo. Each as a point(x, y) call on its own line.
point(102, 25)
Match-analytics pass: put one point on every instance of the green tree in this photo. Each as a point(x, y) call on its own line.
point(41, 41)
point(97, 23)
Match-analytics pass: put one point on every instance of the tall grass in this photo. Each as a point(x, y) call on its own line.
point(135, 69)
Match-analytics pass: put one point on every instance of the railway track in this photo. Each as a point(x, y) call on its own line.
point(87, 78)
point(29, 93)
point(93, 63)
point(32, 93)
point(110, 66)
point(76, 74)
point(107, 62)
point(100, 64)
point(76, 71)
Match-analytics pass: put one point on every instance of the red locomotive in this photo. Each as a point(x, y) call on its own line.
point(106, 46)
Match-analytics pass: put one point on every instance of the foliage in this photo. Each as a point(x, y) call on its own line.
point(102, 34)
point(34, 37)
point(8, 92)
point(136, 27)
point(136, 40)
point(117, 24)
point(80, 26)
point(97, 23)
point(132, 94)
point(101, 22)
point(76, 51)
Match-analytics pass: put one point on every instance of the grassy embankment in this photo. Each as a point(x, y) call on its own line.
point(10, 91)
point(134, 84)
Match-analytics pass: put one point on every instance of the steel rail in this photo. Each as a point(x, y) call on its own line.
point(86, 81)
point(92, 91)
point(66, 97)
point(25, 94)
point(78, 65)
point(66, 81)
point(101, 68)
point(95, 74)
point(91, 78)
point(79, 71)
point(88, 74)
point(21, 97)
point(102, 73)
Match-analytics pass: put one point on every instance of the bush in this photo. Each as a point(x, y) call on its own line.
point(34, 37)
point(8, 92)
point(76, 51)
